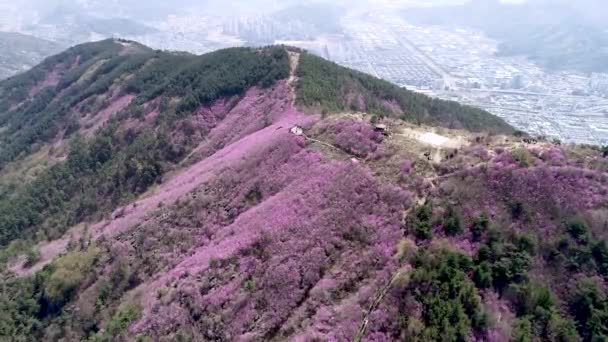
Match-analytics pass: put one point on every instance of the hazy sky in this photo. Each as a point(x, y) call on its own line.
point(20, 12)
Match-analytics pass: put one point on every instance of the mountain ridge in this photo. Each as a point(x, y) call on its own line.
point(183, 206)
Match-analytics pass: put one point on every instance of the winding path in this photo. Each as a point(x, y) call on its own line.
point(294, 61)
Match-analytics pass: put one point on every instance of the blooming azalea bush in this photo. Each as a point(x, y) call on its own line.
point(405, 167)
point(333, 224)
point(355, 137)
point(265, 243)
point(554, 157)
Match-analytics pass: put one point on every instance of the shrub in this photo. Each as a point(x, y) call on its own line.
point(509, 262)
point(522, 156)
point(517, 209)
point(575, 252)
point(67, 273)
point(32, 257)
point(526, 243)
point(405, 167)
point(589, 306)
point(511, 266)
point(535, 305)
point(600, 254)
point(355, 137)
point(480, 226)
point(112, 166)
point(118, 324)
point(494, 236)
point(19, 310)
point(577, 228)
point(421, 223)
point(480, 321)
point(522, 331)
point(451, 221)
point(451, 306)
point(554, 156)
point(561, 329)
point(530, 299)
point(483, 275)
point(484, 253)
point(405, 250)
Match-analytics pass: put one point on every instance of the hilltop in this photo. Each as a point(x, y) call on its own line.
point(267, 194)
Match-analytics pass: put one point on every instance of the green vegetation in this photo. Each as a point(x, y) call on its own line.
point(196, 80)
point(114, 166)
point(589, 306)
point(421, 222)
point(451, 307)
point(517, 209)
point(480, 226)
point(577, 229)
point(577, 251)
point(451, 221)
point(101, 172)
point(97, 176)
point(42, 118)
point(81, 294)
point(19, 308)
point(522, 156)
point(503, 261)
point(15, 89)
point(600, 254)
point(326, 86)
point(32, 257)
point(118, 324)
point(199, 80)
point(66, 274)
point(522, 331)
point(14, 249)
point(538, 314)
point(26, 304)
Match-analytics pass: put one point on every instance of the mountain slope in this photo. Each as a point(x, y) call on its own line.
point(22, 52)
point(182, 207)
point(328, 87)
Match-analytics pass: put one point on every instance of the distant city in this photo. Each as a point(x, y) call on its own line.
point(461, 65)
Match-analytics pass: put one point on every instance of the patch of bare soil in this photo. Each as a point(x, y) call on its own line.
point(294, 61)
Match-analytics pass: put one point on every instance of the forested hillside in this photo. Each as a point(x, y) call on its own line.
point(159, 196)
point(121, 164)
point(329, 87)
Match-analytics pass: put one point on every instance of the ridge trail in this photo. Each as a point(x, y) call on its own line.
point(294, 61)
